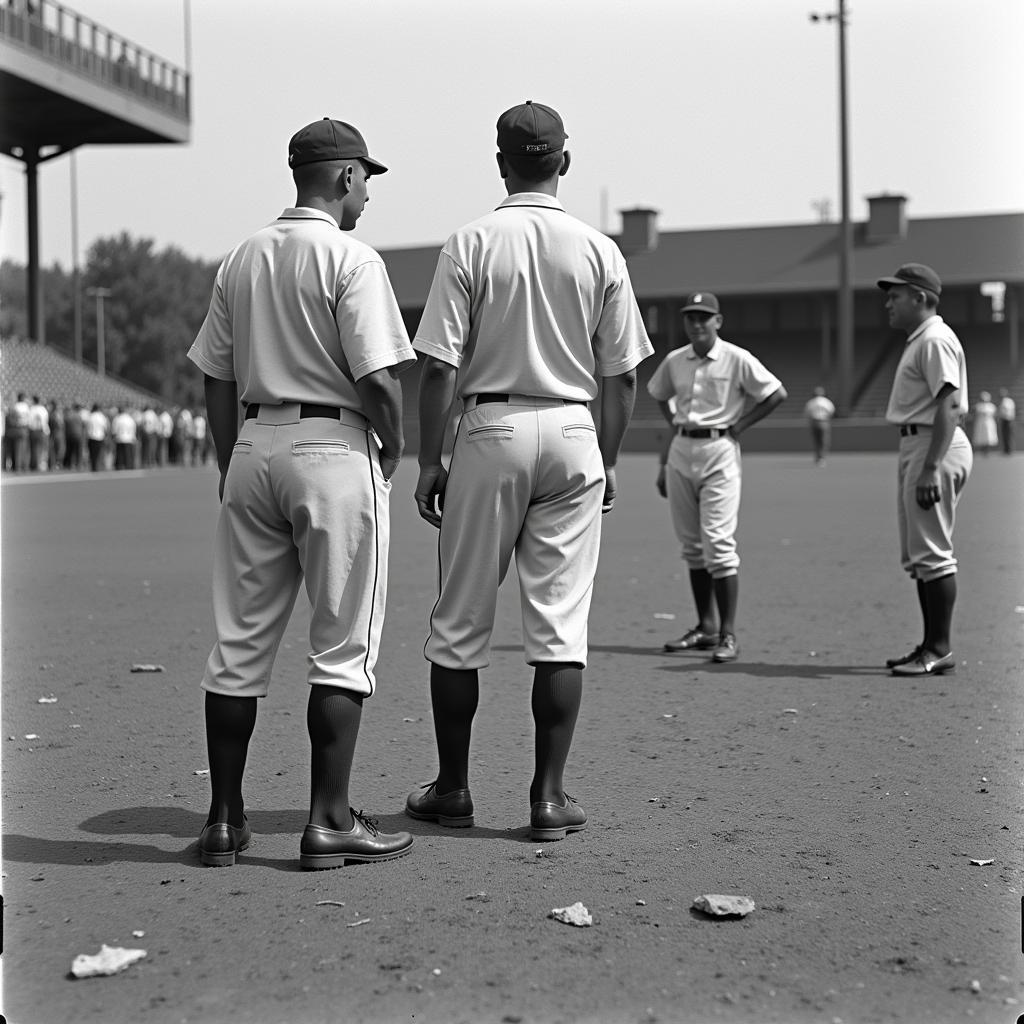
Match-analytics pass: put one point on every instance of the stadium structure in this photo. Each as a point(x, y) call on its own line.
point(66, 82)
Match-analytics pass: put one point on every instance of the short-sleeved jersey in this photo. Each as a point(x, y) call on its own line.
point(932, 358)
point(1007, 408)
point(819, 408)
point(300, 312)
point(711, 391)
point(530, 300)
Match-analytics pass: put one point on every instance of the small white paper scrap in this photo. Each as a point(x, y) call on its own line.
point(724, 906)
point(147, 668)
point(577, 915)
point(664, 615)
point(47, 700)
point(201, 771)
point(31, 735)
point(109, 960)
point(982, 863)
point(356, 924)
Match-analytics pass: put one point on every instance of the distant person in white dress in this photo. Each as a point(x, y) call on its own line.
point(985, 436)
point(1007, 412)
point(819, 411)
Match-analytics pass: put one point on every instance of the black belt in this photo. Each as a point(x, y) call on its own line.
point(496, 397)
point(701, 431)
point(911, 429)
point(306, 412)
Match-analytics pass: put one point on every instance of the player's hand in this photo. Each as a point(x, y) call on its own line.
point(927, 489)
point(430, 490)
point(610, 490)
point(660, 482)
point(389, 463)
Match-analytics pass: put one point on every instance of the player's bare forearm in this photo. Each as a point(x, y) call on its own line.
point(618, 396)
point(947, 414)
point(380, 394)
point(437, 392)
point(222, 417)
point(763, 408)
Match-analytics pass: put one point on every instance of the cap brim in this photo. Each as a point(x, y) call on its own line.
point(373, 166)
point(885, 283)
point(698, 309)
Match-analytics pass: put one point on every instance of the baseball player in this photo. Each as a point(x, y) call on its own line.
point(304, 330)
point(819, 411)
point(528, 308)
point(719, 390)
point(928, 402)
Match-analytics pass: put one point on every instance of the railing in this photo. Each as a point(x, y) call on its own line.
point(73, 42)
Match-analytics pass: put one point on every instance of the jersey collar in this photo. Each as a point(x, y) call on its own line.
point(532, 199)
point(306, 213)
point(713, 353)
point(924, 325)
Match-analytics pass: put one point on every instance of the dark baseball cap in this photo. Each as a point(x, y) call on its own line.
point(531, 129)
point(328, 139)
point(704, 302)
point(917, 275)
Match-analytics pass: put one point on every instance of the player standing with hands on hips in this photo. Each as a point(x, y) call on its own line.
point(528, 308)
point(713, 382)
point(928, 402)
point(304, 330)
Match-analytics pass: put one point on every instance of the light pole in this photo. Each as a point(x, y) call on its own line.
point(845, 306)
point(101, 355)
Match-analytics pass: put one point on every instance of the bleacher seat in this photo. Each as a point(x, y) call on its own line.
point(39, 370)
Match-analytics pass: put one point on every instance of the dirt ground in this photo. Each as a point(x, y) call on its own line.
point(849, 805)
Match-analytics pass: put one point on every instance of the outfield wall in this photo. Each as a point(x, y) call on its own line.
point(783, 435)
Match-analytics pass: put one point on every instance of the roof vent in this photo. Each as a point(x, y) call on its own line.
point(639, 231)
point(887, 218)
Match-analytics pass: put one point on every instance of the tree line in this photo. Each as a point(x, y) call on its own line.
point(157, 302)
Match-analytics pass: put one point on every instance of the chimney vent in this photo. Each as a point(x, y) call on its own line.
point(887, 218)
point(639, 231)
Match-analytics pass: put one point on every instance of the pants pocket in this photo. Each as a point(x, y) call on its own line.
point(570, 430)
point(490, 431)
point(317, 446)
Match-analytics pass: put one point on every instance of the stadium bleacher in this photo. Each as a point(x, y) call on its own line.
point(39, 370)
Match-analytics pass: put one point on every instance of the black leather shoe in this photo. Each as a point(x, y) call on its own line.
point(926, 664)
point(692, 640)
point(727, 649)
point(903, 659)
point(324, 848)
point(453, 810)
point(552, 821)
point(220, 843)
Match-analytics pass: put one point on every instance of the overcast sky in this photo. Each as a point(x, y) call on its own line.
point(713, 112)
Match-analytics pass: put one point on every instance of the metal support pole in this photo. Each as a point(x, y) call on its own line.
point(845, 325)
point(76, 277)
point(34, 298)
point(101, 354)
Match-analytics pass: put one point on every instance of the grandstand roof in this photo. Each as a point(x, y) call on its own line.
point(786, 258)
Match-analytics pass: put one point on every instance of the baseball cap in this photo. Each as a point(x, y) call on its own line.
point(703, 301)
point(917, 275)
point(328, 139)
point(530, 129)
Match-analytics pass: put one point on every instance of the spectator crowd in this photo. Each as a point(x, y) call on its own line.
point(52, 436)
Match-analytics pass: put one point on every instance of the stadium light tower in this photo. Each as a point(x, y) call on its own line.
point(101, 351)
point(845, 310)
